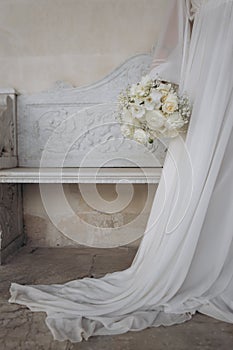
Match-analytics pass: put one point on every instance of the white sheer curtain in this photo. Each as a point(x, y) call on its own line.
point(171, 50)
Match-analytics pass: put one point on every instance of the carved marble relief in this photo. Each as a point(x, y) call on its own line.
point(79, 125)
point(7, 130)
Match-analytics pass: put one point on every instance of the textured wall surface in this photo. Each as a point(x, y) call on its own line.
point(79, 41)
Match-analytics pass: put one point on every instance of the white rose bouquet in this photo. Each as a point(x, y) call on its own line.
point(152, 109)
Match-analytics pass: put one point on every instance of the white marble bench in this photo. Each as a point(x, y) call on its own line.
point(67, 135)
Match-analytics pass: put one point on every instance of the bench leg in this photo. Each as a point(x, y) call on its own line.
point(11, 220)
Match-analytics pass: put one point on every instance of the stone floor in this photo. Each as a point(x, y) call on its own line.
point(22, 329)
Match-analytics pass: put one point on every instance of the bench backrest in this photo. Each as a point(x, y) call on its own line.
point(76, 127)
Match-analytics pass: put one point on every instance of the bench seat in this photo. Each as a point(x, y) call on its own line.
point(80, 175)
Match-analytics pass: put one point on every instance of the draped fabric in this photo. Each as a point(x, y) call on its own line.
point(184, 262)
point(171, 50)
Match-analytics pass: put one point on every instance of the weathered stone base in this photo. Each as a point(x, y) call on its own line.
point(11, 220)
point(120, 228)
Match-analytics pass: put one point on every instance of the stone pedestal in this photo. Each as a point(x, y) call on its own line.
point(11, 220)
point(11, 216)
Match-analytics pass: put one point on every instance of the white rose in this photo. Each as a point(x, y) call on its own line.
point(149, 103)
point(174, 121)
point(170, 104)
point(127, 131)
point(137, 111)
point(155, 119)
point(142, 90)
point(138, 90)
point(140, 136)
point(155, 96)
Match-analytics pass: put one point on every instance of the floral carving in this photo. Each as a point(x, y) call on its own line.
point(94, 132)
